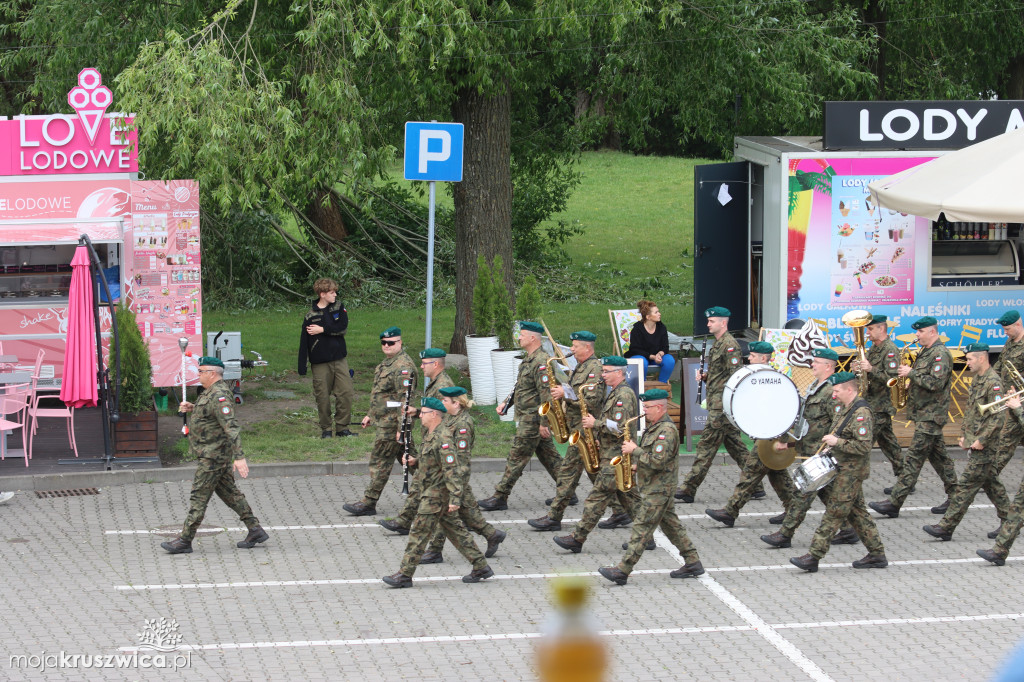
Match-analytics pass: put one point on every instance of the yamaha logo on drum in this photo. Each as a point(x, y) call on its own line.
point(767, 380)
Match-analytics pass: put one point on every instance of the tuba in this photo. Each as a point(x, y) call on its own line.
point(858, 319)
point(552, 409)
point(899, 387)
point(584, 439)
point(624, 463)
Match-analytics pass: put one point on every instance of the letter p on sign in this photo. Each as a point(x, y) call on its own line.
point(433, 151)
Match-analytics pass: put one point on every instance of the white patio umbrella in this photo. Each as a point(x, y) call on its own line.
point(980, 183)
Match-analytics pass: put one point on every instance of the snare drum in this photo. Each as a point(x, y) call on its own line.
point(815, 473)
point(760, 401)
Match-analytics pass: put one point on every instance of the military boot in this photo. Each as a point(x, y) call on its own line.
point(431, 558)
point(778, 519)
point(570, 543)
point(256, 536)
point(886, 508)
point(398, 580)
point(648, 547)
point(871, 561)
point(688, 571)
point(684, 496)
point(806, 562)
point(178, 546)
point(495, 502)
point(613, 574)
point(721, 516)
point(777, 539)
point(394, 526)
point(847, 536)
point(545, 523)
point(496, 539)
point(359, 508)
point(478, 574)
point(990, 555)
point(616, 521)
point(941, 508)
point(938, 532)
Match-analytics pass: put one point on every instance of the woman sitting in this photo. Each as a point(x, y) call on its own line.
point(649, 340)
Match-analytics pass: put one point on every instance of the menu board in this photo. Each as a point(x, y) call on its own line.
point(164, 286)
point(872, 248)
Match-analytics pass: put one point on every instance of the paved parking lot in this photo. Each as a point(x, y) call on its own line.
point(85, 575)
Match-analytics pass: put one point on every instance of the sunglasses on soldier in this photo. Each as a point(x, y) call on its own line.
point(386, 342)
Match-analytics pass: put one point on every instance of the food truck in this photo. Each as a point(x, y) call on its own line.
point(65, 175)
point(789, 230)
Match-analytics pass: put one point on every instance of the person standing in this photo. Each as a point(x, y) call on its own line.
point(1010, 528)
point(724, 359)
point(655, 460)
point(322, 345)
point(754, 470)
point(432, 363)
point(444, 483)
point(883, 362)
point(394, 380)
point(586, 373)
point(531, 389)
point(1009, 367)
point(648, 339)
point(213, 439)
point(978, 435)
point(850, 446)
point(610, 425)
point(928, 407)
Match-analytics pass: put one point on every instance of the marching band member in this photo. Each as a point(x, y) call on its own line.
point(883, 361)
point(1009, 367)
point(1011, 526)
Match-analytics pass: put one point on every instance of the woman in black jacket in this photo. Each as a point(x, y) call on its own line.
point(649, 340)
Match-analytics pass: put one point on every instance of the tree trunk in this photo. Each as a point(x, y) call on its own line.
point(324, 212)
point(483, 200)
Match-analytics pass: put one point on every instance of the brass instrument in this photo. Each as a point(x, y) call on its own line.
point(555, 413)
point(1000, 405)
point(899, 387)
point(584, 438)
point(624, 463)
point(857, 320)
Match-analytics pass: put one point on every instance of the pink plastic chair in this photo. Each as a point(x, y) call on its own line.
point(63, 412)
point(14, 402)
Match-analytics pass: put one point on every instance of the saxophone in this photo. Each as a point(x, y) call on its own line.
point(624, 463)
point(899, 387)
point(584, 438)
point(552, 409)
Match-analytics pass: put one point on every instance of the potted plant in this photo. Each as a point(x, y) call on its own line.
point(135, 431)
point(480, 344)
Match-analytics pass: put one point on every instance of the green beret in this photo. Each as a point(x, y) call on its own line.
point(654, 394)
point(825, 354)
point(529, 326)
point(432, 353)
point(614, 361)
point(433, 404)
point(452, 391)
point(583, 336)
point(878, 319)
point(976, 348)
point(211, 361)
point(926, 321)
point(762, 347)
point(841, 378)
point(390, 333)
point(1008, 318)
point(717, 311)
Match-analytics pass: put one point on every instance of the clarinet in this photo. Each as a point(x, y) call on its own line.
point(406, 436)
point(703, 358)
point(508, 401)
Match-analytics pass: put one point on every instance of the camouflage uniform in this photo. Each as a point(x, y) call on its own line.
point(619, 406)
point(819, 410)
point(885, 361)
point(444, 482)
point(457, 429)
point(724, 359)
point(844, 498)
point(751, 477)
point(1012, 433)
point(657, 474)
point(586, 372)
point(391, 380)
point(213, 440)
point(928, 408)
point(532, 388)
point(1011, 526)
point(412, 502)
point(980, 471)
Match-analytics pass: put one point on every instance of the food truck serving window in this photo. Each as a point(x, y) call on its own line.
point(974, 255)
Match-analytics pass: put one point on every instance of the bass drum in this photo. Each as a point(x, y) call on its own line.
point(761, 402)
point(815, 473)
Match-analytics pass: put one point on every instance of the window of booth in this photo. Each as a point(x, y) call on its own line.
point(41, 273)
point(974, 256)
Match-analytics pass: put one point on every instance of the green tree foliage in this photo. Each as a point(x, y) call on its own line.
point(528, 300)
point(503, 319)
point(483, 299)
point(135, 392)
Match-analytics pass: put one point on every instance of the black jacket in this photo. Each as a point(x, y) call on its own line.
point(328, 346)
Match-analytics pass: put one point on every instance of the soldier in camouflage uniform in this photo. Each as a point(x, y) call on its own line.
point(819, 410)
point(532, 388)
point(609, 425)
point(883, 364)
point(1009, 367)
point(1011, 526)
point(724, 359)
point(444, 482)
point(655, 460)
point(850, 443)
point(432, 362)
point(754, 469)
point(458, 429)
point(928, 408)
point(213, 440)
point(393, 380)
point(587, 371)
point(978, 434)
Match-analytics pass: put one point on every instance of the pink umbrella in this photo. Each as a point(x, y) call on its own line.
point(79, 388)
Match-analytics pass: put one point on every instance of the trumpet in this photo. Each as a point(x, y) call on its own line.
point(624, 463)
point(998, 405)
point(899, 387)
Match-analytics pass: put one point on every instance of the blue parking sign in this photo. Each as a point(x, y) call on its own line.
point(433, 151)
